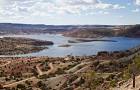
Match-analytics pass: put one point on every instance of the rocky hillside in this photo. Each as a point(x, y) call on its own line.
point(14, 28)
point(133, 31)
point(90, 33)
point(12, 45)
point(83, 31)
point(126, 31)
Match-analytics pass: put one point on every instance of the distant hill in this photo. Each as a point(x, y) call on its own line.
point(122, 30)
point(15, 28)
point(85, 31)
point(133, 31)
point(10, 28)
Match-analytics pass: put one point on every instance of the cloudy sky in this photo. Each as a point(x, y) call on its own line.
point(70, 11)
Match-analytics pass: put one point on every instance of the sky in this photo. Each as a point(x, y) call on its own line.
point(70, 12)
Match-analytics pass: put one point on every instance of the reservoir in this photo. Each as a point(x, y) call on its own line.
point(78, 49)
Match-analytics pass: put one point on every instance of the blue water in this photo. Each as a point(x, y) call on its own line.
point(79, 49)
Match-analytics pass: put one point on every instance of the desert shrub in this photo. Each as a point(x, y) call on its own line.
point(21, 86)
point(42, 85)
point(113, 83)
point(60, 71)
point(70, 66)
point(28, 82)
point(127, 73)
point(137, 62)
point(43, 76)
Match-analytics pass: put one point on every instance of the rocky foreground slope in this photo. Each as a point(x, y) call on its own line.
point(105, 71)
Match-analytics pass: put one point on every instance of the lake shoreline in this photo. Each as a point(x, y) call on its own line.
point(87, 47)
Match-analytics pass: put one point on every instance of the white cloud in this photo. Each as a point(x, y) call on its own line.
point(77, 2)
point(117, 6)
point(98, 13)
point(138, 2)
point(136, 10)
point(121, 16)
point(44, 8)
point(103, 6)
point(103, 12)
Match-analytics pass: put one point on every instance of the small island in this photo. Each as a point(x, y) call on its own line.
point(89, 40)
point(19, 45)
point(65, 45)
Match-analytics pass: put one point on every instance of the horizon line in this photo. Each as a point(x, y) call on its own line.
point(67, 24)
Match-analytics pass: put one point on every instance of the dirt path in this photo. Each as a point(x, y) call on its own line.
point(19, 82)
point(75, 68)
point(32, 78)
point(8, 62)
point(51, 69)
point(57, 82)
point(40, 72)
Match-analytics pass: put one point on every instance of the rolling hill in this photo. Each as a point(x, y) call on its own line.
point(82, 31)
